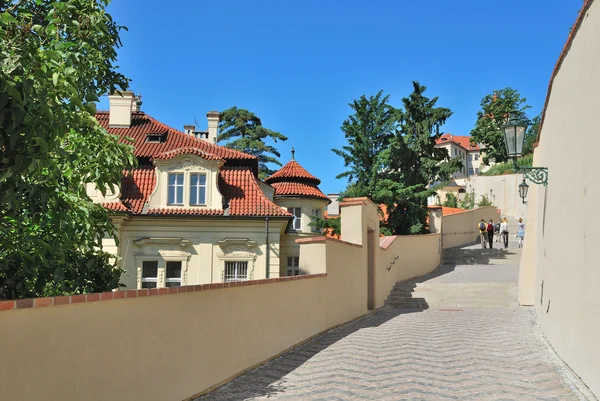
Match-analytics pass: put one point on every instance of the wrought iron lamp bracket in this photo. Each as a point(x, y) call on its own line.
point(537, 175)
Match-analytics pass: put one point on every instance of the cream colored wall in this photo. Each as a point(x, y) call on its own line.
point(187, 164)
point(111, 195)
point(175, 346)
point(407, 257)
point(562, 228)
point(461, 228)
point(289, 247)
point(159, 348)
point(505, 192)
point(461, 153)
point(200, 252)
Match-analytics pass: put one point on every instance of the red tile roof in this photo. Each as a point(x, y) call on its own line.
point(169, 154)
point(292, 170)
point(240, 187)
point(115, 206)
point(142, 125)
point(464, 141)
point(136, 188)
point(237, 184)
point(293, 180)
point(298, 189)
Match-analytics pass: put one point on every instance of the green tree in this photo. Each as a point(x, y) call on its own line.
point(333, 224)
point(531, 134)
point(451, 200)
point(368, 132)
point(57, 58)
point(467, 202)
point(245, 132)
point(413, 161)
point(494, 112)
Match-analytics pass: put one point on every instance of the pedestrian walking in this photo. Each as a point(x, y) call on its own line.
point(521, 232)
point(482, 227)
point(490, 233)
point(497, 230)
point(504, 231)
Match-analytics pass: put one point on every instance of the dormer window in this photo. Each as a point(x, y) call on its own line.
point(197, 189)
point(175, 196)
point(156, 138)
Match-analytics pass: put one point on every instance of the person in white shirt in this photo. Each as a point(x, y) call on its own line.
point(504, 232)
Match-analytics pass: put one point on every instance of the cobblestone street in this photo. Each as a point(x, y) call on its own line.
point(437, 353)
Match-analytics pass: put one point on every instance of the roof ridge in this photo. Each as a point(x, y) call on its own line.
point(196, 139)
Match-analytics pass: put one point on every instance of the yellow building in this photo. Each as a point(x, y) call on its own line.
point(194, 212)
point(461, 147)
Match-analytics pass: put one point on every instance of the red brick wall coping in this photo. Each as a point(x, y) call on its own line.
point(105, 296)
point(324, 239)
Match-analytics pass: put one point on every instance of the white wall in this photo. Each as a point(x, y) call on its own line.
point(504, 195)
point(560, 267)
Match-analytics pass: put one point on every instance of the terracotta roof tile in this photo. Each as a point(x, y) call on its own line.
point(298, 189)
point(142, 125)
point(169, 154)
point(292, 170)
point(115, 206)
point(464, 141)
point(136, 188)
point(240, 187)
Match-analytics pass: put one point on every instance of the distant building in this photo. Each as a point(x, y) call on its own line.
point(461, 147)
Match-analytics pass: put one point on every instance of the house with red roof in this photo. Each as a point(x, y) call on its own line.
point(470, 153)
point(194, 212)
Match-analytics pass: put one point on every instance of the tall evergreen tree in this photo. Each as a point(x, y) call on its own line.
point(495, 109)
point(245, 132)
point(368, 131)
point(413, 163)
point(531, 134)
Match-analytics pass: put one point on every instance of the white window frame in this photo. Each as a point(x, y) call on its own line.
point(149, 279)
point(196, 188)
point(293, 266)
point(297, 222)
point(174, 280)
point(237, 263)
point(476, 156)
point(175, 186)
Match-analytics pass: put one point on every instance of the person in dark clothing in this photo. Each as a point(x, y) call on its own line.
point(490, 232)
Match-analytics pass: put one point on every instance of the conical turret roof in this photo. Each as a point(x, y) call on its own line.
point(293, 180)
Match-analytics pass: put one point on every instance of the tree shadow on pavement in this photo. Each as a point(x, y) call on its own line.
point(472, 255)
point(269, 380)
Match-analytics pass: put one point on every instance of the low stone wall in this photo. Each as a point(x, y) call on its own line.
point(461, 228)
point(175, 343)
point(405, 257)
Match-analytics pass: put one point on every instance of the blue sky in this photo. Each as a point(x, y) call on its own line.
point(297, 65)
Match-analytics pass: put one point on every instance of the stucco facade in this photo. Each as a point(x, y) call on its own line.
point(461, 147)
point(560, 267)
point(194, 212)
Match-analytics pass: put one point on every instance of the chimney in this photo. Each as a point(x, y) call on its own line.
point(120, 108)
point(213, 125)
point(189, 129)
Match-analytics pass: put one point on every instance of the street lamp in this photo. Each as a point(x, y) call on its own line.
point(523, 188)
point(514, 138)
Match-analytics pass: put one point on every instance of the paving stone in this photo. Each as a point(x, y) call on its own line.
point(472, 353)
